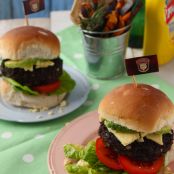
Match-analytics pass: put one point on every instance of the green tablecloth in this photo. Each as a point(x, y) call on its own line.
point(24, 147)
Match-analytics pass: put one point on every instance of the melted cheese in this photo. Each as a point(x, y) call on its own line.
point(125, 138)
point(158, 138)
point(44, 64)
point(128, 138)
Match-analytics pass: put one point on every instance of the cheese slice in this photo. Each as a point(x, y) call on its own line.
point(125, 138)
point(128, 138)
point(158, 138)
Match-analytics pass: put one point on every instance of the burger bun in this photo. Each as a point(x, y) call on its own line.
point(17, 98)
point(142, 108)
point(29, 42)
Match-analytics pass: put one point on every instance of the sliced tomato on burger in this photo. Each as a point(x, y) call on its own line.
point(140, 168)
point(106, 156)
point(48, 88)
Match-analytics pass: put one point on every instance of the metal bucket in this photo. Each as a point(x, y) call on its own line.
point(105, 55)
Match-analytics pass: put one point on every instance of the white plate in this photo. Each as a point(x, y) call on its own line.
point(75, 99)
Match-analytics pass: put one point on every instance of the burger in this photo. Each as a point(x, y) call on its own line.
point(135, 133)
point(136, 128)
point(31, 69)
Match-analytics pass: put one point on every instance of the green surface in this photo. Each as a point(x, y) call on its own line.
point(24, 147)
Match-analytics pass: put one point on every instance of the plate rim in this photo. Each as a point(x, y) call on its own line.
point(86, 83)
point(60, 134)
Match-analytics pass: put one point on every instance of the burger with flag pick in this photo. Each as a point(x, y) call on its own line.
point(135, 132)
point(32, 71)
point(134, 136)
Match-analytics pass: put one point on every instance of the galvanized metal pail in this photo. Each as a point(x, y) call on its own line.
point(105, 53)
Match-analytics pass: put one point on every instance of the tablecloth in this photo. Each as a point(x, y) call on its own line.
point(24, 147)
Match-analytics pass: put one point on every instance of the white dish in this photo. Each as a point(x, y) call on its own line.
point(75, 99)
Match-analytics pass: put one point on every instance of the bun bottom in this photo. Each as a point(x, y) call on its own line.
point(17, 98)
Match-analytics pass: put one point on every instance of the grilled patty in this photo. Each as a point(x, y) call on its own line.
point(39, 76)
point(146, 151)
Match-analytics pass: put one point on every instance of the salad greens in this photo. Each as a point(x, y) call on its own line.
point(83, 160)
point(67, 84)
point(18, 87)
point(117, 127)
point(164, 130)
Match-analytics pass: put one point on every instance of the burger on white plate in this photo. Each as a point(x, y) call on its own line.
point(135, 134)
point(32, 71)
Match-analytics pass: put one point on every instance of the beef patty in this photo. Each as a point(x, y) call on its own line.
point(146, 151)
point(39, 76)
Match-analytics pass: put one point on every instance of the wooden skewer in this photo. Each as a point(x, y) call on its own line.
point(25, 16)
point(133, 77)
point(26, 20)
point(134, 81)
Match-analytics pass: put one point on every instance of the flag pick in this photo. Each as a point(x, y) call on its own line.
point(141, 65)
point(32, 6)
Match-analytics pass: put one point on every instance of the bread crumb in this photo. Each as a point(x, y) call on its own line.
point(44, 109)
point(60, 110)
point(66, 124)
point(50, 113)
point(69, 161)
point(34, 110)
point(38, 110)
point(39, 117)
point(63, 103)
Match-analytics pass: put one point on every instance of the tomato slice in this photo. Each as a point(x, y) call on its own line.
point(140, 168)
point(105, 155)
point(48, 88)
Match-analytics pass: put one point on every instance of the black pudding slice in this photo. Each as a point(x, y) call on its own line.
point(146, 151)
point(39, 76)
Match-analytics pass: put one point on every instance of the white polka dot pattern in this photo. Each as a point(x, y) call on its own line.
point(78, 56)
point(28, 158)
point(95, 86)
point(6, 135)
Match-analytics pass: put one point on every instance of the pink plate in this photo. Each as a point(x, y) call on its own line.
point(80, 131)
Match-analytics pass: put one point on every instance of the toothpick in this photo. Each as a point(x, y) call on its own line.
point(134, 81)
point(26, 20)
point(25, 15)
point(133, 77)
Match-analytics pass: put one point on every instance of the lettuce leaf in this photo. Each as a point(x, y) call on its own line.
point(18, 87)
point(117, 127)
point(90, 153)
point(67, 84)
point(85, 161)
point(77, 169)
point(74, 151)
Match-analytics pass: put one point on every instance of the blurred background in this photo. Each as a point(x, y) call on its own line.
point(149, 31)
point(11, 9)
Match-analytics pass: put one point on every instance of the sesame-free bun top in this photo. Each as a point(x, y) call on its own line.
point(29, 42)
point(142, 108)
